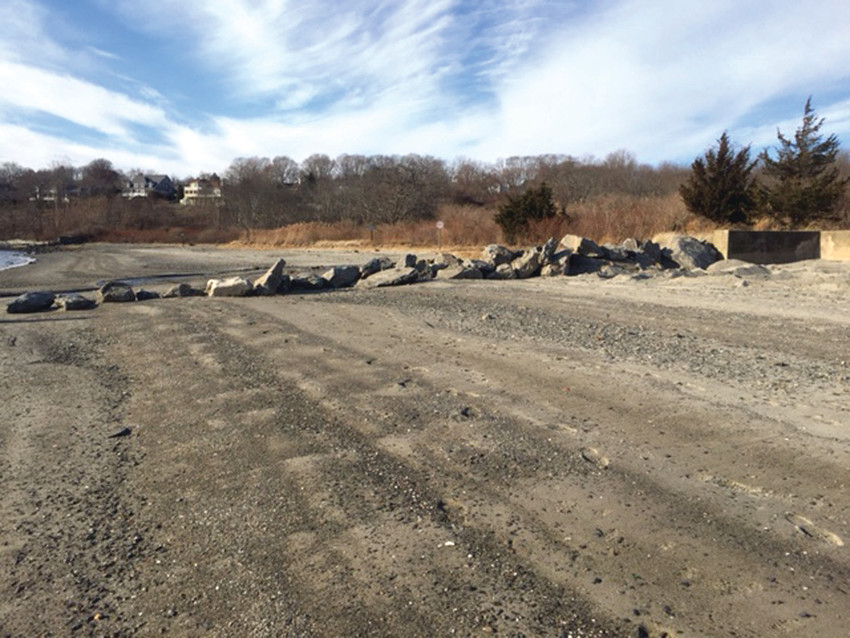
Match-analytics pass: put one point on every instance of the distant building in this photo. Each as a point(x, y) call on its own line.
point(203, 189)
point(145, 185)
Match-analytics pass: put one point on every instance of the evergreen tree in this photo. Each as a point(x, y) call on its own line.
point(534, 204)
point(805, 182)
point(720, 186)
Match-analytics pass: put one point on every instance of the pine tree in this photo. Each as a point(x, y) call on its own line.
point(534, 204)
point(806, 183)
point(720, 186)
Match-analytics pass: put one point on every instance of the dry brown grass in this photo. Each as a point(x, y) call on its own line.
point(608, 218)
point(462, 226)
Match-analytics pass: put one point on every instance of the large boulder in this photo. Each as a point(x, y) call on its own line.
point(308, 281)
point(528, 264)
point(342, 276)
point(503, 271)
point(497, 255)
point(36, 301)
point(115, 292)
point(459, 271)
point(689, 252)
point(548, 251)
point(376, 264)
point(229, 287)
point(397, 276)
point(182, 289)
point(146, 295)
point(75, 301)
point(582, 265)
point(582, 246)
point(271, 281)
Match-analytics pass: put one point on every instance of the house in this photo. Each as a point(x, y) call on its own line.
point(203, 189)
point(145, 185)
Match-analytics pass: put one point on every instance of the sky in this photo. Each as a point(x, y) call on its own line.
point(177, 87)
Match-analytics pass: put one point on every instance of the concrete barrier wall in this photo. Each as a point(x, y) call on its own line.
point(835, 245)
point(773, 247)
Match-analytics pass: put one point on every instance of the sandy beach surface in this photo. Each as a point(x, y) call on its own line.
point(565, 456)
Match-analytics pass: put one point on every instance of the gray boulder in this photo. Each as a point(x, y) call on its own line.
point(270, 282)
point(548, 250)
point(444, 260)
point(182, 290)
point(689, 252)
point(410, 260)
point(581, 265)
point(376, 264)
point(555, 268)
point(229, 287)
point(459, 271)
point(503, 271)
point(528, 264)
point(75, 301)
point(308, 281)
point(342, 276)
point(497, 255)
point(32, 302)
point(145, 295)
point(617, 252)
point(397, 276)
point(115, 292)
point(582, 246)
point(485, 267)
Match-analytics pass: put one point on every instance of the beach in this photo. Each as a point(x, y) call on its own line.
point(559, 456)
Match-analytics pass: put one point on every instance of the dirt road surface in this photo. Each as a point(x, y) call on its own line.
point(551, 457)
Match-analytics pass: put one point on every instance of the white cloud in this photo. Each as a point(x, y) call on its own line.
point(27, 88)
point(657, 77)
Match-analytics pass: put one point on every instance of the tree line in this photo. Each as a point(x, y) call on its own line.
point(261, 192)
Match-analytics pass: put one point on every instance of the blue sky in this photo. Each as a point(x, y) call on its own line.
point(185, 87)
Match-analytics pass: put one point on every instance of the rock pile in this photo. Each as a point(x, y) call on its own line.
point(573, 255)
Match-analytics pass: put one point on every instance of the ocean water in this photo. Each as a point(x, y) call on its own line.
point(13, 259)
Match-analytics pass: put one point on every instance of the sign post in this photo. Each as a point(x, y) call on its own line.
point(440, 226)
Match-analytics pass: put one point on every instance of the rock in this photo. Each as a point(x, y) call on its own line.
point(581, 245)
point(75, 301)
point(528, 264)
point(116, 292)
point(342, 276)
point(31, 302)
point(308, 282)
point(182, 290)
point(374, 265)
point(270, 282)
point(145, 295)
point(410, 261)
point(689, 252)
point(397, 276)
point(738, 268)
point(503, 271)
point(581, 265)
point(229, 287)
point(484, 266)
point(548, 250)
point(498, 255)
point(554, 269)
point(616, 252)
point(649, 254)
point(444, 260)
point(459, 271)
